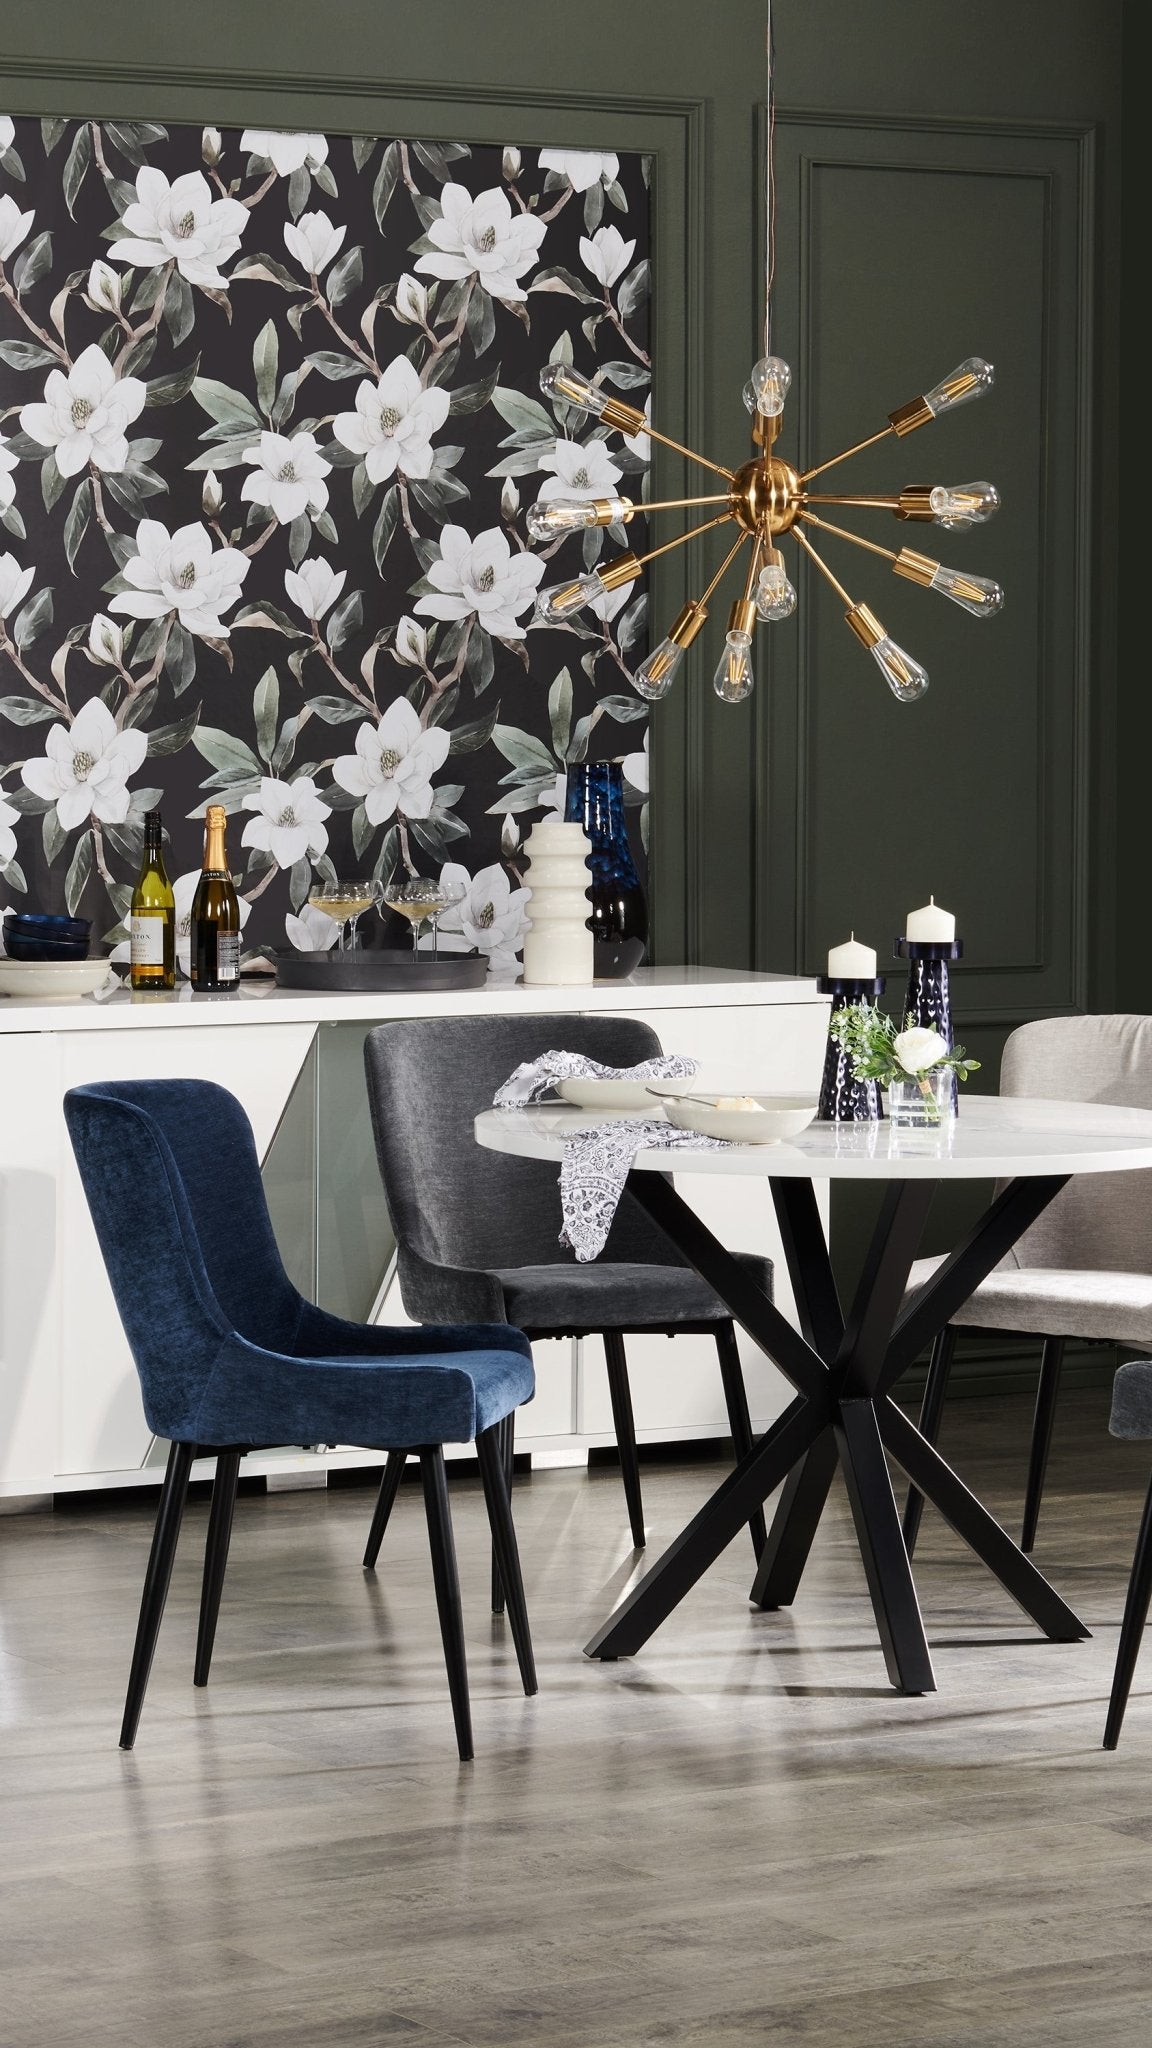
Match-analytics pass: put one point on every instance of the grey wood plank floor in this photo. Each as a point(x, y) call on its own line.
point(741, 1836)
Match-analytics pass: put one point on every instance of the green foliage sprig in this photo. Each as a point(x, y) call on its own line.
point(873, 1044)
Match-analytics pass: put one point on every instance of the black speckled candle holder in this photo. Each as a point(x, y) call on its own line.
point(844, 1099)
point(928, 1001)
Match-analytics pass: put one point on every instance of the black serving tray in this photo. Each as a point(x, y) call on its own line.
point(380, 967)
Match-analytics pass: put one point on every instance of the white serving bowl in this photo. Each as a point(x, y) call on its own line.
point(52, 980)
point(589, 1091)
point(775, 1117)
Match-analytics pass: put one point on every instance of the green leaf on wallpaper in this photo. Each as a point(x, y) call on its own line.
point(228, 454)
point(346, 619)
point(53, 836)
point(268, 616)
point(631, 622)
point(438, 157)
point(32, 263)
point(345, 275)
point(266, 712)
point(560, 712)
point(523, 750)
point(324, 524)
point(76, 164)
point(299, 883)
point(265, 363)
point(52, 127)
point(334, 366)
point(76, 524)
point(481, 662)
point(27, 355)
point(624, 374)
point(626, 709)
point(171, 739)
point(481, 322)
point(634, 290)
point(10, 518)
point(78, 873)
point(473, 397)
point(227, 406)
point(386, 524)
point(225, 752)
point(363, 147)
point(435, 494)
point(387, 178)
point(467, 739)
point(361, 830)
point(335, 710)
point(427, 210)
point(593, 207)
point(299, 538)
point(169, 389)
point(179, 308)
point(555, 278)
point(363, 490)
point(265, 269)
point(324, 181)
point(25, 711)
point(14, 877)
point(616, 196)
point(132, 138)
point(299, 187)
point(33, 620)
point(525, 414)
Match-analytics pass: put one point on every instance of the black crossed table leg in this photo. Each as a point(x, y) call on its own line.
point(843, 1369)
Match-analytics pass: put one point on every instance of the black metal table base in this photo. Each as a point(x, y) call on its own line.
point(843, 1368)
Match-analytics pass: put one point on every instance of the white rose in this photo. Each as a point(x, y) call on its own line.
point(918, 1049)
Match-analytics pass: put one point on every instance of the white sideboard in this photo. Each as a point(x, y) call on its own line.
point(70, 1413)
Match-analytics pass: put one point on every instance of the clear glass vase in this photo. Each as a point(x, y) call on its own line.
point(921, 1100)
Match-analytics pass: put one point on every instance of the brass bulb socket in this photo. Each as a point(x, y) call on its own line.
point(770, 557)
point(915, 502)
point(742, 617)
point(917, 568)
point(688, 623)
point(607, 513)
point(766, 427)
point(624, 569)
point(907, 418)
point(865, 625)
point(614, 413)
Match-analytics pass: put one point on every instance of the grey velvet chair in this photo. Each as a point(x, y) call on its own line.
point(477, 1233)
point(1084, 1269)
point(1132, 1418)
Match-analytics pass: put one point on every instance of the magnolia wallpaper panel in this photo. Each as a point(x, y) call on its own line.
point(270, 420)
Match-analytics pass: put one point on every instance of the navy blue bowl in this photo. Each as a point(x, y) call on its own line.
point(39, 925)
point(19, 947)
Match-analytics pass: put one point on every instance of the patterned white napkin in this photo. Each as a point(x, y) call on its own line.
point(596, 1165)
point(535, 1077)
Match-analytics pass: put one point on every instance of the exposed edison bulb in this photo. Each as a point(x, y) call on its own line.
point(571, 387)
point(733, 679)
point(551, 519)
point(770, 379)
point(904, 676)
point(655, 676)
point(560, 600)
point(970, 379)
point(775, 596)
point(978, 594)
point(959, 505)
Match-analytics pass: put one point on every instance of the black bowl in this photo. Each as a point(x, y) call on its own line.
point(19, 946)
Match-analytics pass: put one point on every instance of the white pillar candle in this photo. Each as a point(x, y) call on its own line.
point(852, 961)
point(930, 926)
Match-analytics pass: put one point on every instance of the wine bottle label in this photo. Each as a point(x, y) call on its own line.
point(227, 956)
point(147, 934)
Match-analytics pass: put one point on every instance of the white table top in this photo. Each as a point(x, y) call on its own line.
point(993, 1138)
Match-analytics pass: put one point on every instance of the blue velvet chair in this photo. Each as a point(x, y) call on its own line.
point(231, 1358)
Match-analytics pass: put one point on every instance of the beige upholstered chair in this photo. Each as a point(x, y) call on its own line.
point(1084, 1269)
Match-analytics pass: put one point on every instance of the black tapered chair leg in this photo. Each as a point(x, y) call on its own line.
point(389, 1486)
point(506, 1444)
point(931, 1415)
point(447, 1582)
point(216, 1557)
point(624, 1424)
point(1051, 1359)
point(1132, 1628)
point(739, 1419)
point(157, 1579)
point(493, 1472)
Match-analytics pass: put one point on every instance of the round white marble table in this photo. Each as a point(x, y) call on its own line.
point(844, 1364)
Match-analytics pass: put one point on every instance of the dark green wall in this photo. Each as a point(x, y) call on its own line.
point(948, 183)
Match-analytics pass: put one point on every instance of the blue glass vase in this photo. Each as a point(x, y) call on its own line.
point(619, 918)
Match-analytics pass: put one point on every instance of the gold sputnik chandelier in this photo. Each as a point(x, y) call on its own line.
point(767, 499)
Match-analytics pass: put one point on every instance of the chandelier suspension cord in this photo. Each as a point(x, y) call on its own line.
point(769, 180)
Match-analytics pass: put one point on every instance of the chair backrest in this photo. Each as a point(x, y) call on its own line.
point(173, 1183)
point(450, 1200)
point(1099, 1221)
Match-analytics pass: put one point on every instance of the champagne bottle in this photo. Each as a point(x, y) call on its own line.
point(152, 918)
point(215, 915)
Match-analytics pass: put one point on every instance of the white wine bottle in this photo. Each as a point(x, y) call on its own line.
point(152, 918)
point(215, 915)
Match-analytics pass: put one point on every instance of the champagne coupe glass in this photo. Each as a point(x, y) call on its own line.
point(451, 893)
point(345, 902)
point(417, 898)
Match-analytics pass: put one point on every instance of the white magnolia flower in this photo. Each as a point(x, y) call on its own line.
point(7, 131)
point(7, 465)
point(15, 583)
point(106, 640)
point(183, 891)
point(84, 414)
point(104, 287)
point(553, 801)
point(285, 152)
point(490, 916)
point(394, 421)
point(607, 255)
point(288, 475)
point(411, 642)
point(482, 576)
point(313, 931)
point(918, 1048)
point(179, 573)
point(483, 238)
point(582, 167)
point(411, 302)
point(636, 768)
point(14, 226)
point(639, 444)
point(577, 472)
point(8, 818)
point(510, 161)
point(211, 146)
point(85, 767)
point(313, 240)
point(290, 820)
point(314, 586)
point(211, 496)
point(394, 763)
point(181, 221)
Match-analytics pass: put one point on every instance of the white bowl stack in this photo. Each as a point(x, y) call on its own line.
point(558, 947)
